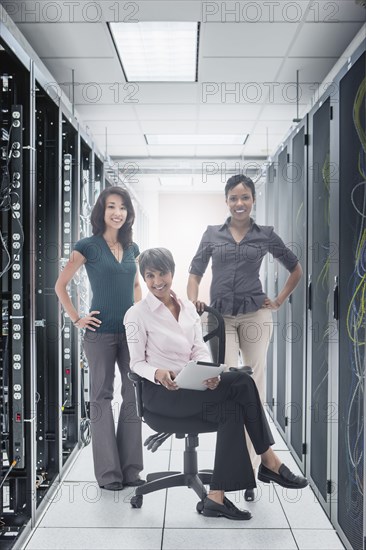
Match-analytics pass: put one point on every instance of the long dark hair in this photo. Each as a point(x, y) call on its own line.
point(97, 216)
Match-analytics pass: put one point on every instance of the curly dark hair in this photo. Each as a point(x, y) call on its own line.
point(235, 180)
point(98, 212)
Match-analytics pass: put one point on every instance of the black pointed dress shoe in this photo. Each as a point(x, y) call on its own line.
point(135, 483)
point(227, 510)
point(285, 477)
point(114, 486)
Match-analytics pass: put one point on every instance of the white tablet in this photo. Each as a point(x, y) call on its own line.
point(191, 377)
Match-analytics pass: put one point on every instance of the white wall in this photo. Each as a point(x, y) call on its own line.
point(183, 217)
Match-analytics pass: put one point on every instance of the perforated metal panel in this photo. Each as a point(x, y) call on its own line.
point(319, 251)
point(298, 332)
point(352, 284)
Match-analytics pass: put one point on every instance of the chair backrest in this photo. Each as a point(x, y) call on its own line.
point(213, 327)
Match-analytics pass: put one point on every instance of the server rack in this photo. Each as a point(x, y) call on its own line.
point(48, 411)
point(40, 198)
point(346, 415)
point(329, 199)
point(16, 250)
point(70, 200)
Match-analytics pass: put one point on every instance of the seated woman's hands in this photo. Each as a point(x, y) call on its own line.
point(166, 379)
point(212, 383)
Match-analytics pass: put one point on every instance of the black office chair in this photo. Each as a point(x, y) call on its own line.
point(188, 428)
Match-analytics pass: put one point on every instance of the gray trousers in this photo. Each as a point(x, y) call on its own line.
point(117, 455)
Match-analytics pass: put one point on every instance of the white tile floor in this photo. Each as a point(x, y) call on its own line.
point(81, 515)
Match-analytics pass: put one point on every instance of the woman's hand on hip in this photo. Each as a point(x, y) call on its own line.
point(166, 379)
point(271, 304)
point(89, 321)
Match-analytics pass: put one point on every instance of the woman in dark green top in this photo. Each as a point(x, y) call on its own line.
point(109, 256)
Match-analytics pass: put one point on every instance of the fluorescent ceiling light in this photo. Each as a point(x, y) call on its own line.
point(196, 139)
point(176, 181)
point(157, 51)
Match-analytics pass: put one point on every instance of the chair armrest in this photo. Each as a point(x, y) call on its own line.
point(137, 384)
point(246, 369)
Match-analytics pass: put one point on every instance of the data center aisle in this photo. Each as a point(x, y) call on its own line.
point(82, 516)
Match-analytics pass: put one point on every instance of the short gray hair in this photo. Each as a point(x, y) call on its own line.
point(159, 259)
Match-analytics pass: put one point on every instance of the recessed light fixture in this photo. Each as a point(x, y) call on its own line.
point(155, 51)
point(196, 139)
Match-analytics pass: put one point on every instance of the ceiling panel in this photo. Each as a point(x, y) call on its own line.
point(311, 71)
point(166, 112)
point(323, 39)
point(337, 10)
point(166, 93)
point(171, 150)
point(69, 39)
point(244, 70)
point(168, 127)
point(106, 112)
point(219, 150)
point(221, 127)
point(115, 127)
point(229, 112)
point(115, 150)
point(237, 40)
point(104, 71)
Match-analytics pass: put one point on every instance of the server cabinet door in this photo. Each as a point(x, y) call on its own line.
point(297, 348)
point(270, 279)
point(280, 319)
point(319, 298)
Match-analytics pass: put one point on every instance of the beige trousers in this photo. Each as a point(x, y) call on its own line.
point(251, 334)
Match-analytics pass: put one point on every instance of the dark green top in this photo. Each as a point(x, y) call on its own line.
point(111, 281)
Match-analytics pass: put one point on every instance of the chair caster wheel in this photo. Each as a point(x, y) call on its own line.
point(136, 501)
point(199, 506)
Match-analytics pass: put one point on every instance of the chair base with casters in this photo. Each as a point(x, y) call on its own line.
point(190, 477)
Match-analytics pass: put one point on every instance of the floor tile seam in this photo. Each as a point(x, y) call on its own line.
point(228, 528)
point(90, 527)
point(292, 529)
point(166, 497)
point(284, 512)
point(330, 528)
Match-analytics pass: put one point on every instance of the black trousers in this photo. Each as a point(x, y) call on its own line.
point(235, 403)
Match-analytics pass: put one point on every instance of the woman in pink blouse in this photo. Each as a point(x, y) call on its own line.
point(163, 334)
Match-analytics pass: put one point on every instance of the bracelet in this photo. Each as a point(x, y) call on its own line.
point(77, 320)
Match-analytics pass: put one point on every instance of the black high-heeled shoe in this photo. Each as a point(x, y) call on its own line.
point(249, 495)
